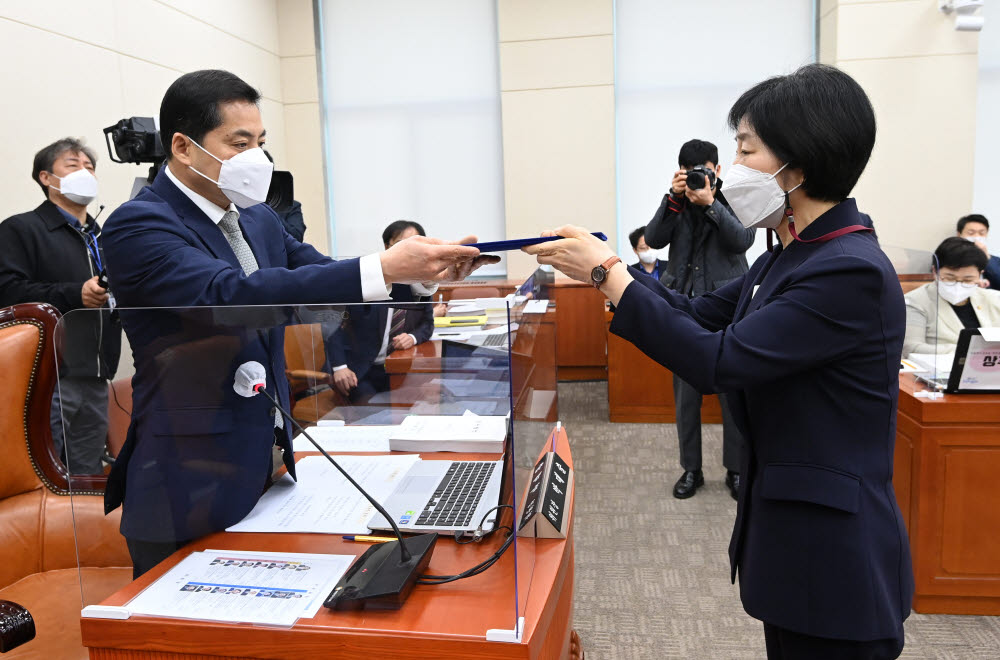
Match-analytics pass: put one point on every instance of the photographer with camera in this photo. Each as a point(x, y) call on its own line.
point(708, 247)
point(52, 255)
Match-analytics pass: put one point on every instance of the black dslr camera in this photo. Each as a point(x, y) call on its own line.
point(698, 176)
point(136, 140)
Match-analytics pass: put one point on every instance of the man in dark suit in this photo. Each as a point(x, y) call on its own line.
point(357, 350)
point(53, 255)
point(707, 249)
point(197, 455)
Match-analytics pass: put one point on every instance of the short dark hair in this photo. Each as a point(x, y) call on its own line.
point(956, 252)
point(191, 104)
point(817, 119)
point(398, 227)
point(635, 235)
point(46, 158)
point(697, 152)
point(972, 217)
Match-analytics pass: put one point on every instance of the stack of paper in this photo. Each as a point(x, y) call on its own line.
point(430, 433)
point(939, 364)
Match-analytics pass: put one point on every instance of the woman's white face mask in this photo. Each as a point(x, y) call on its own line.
point(956, 293)
point(755, 196)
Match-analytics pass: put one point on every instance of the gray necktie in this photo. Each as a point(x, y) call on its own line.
point(230, 226)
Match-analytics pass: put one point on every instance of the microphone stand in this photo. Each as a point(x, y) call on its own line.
point(375, 580)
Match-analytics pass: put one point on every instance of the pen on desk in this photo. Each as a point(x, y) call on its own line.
point(367, 539)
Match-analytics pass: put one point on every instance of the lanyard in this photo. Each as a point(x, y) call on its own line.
point(843, 231)
point(94, 250)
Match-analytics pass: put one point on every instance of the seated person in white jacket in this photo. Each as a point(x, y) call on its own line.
point(938, 311)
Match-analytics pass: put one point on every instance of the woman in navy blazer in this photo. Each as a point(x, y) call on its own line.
point(808, 345)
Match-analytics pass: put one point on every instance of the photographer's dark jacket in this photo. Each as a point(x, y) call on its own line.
point(707, 244)
point(44, 259)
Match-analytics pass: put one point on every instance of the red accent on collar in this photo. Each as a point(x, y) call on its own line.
point(843, 231)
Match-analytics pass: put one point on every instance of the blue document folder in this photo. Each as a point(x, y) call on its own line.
point(518, 243)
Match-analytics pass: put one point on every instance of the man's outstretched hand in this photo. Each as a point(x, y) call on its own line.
point(424, 259)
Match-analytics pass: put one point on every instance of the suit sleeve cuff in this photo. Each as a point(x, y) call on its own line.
point(373, 286)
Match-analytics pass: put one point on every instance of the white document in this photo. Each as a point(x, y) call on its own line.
point(428, 433)
point(939, 364)
point(445, 333)
point(323, 501)
point(466, 309)
point(990, 334)
point(473, 387)
point(536, 307)
point(346, 438)
point(264, 588)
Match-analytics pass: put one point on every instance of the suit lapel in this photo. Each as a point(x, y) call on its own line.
point(203, 228)
point(255, 237)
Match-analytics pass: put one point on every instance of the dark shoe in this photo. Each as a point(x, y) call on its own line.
point(688, 484)
point(733, 482)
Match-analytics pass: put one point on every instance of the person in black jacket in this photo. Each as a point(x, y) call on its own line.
point(357, 350)
point(708, 247)
point(53, 255)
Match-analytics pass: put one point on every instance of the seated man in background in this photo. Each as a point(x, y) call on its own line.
point(51, 255)
point(357, 350)
point(976, 228)
point(937, 312)
point(648, 263)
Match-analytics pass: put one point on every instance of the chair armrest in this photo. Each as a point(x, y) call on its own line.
point(308, 375)
point(16, 626)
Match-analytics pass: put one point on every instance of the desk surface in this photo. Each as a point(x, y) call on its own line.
point(971, 408)
point(440, 621)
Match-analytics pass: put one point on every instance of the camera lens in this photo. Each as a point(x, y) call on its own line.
point(695, 180)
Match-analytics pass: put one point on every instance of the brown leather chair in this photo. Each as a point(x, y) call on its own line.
point(39, 549)
point(305, 359)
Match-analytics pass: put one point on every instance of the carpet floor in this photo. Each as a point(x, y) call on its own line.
point(652, 572)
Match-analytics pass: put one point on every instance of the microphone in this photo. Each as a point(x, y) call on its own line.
point(100, 210)
point(377, 578)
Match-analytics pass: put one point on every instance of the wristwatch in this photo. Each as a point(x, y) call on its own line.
point(600, 273)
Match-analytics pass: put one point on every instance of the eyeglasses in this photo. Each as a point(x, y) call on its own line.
point(965, 281)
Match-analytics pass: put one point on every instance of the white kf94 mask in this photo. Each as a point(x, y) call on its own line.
point(245, 178)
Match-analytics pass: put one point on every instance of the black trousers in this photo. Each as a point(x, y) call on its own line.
point(147, 554)
point(783, 644)
point(687, 401)
point(374, 381)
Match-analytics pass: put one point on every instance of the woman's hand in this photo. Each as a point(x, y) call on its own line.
point(576, 254)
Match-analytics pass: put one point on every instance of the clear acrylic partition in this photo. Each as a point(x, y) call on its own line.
point(924, 356)
point(199, 455)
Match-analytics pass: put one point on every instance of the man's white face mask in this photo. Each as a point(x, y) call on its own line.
point(79, 186)
point(245, 178)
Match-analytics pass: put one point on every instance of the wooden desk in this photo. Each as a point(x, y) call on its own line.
point(533, 369)
point(439, 621)
point(946, 469)
point(641, 390)
point(581, 348)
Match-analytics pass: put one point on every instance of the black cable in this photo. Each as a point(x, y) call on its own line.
point(483, 566)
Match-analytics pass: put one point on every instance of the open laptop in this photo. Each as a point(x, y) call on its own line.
point(975, 367)
point(446, 496)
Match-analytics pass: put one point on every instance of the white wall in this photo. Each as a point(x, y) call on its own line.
point(413, 119)
point(679, 68)
point(72, 68)
point(986, 186)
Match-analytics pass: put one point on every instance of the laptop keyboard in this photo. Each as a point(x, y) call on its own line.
point(456, 498)
point(495, 340)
